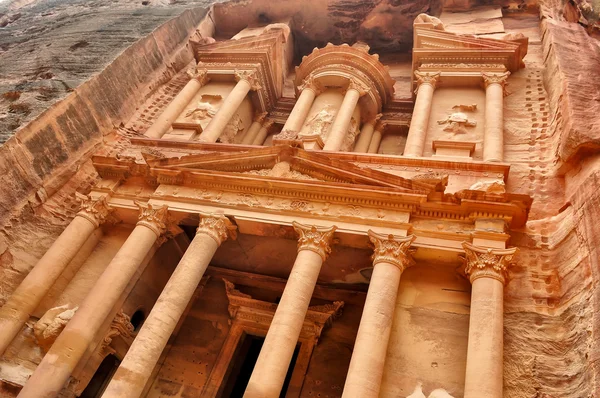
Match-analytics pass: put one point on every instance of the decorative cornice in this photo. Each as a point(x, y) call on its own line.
point(217, 226)
point(481, 262)
point(496, 78)
point(94, 210)
point(312, 84)
point(392, 249)
point(431, 78)
point(316, 239)
point(250, 76)
point(153, 218)
point(199, 74)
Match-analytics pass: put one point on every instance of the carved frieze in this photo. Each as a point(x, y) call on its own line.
point(481, 262)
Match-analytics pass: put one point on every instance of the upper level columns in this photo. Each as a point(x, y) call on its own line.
point(366, 134)
point(309, 89)
point(493, 139)
point(142, 356)
point(199, 78)
point(391, 257)
point(274, 359)
point(28, 295)
point(246, 81)
point(341, 124)
point(487, 269)
point(53, 372)
point(417, 133)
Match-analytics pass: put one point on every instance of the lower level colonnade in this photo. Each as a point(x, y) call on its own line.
point(487, 269)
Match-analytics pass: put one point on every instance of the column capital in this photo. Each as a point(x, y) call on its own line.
point(316, 239)
point(392, 249)
point(496, 78)
point(260, 117)
point(311, 83)
point(375, 120)
point(483, 262)
point(268, 123)
point(357, 85)
point(154, 218)
point(217, 226)
point(95, 211)
point(431, 78)
point(250, 76)
point(198, 73)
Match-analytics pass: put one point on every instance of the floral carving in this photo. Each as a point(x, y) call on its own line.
point(392, 249)
point(316, 239)
point(250, 76)
point(153, 218)
point(217, 226)
point(199, 74)
point(312, 84)
point(94, 210)
point(496, 78)
point(481, 262)
point(430, 78)
point(358, 86)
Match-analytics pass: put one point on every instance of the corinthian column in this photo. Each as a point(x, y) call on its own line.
point(366, 134)
point(246, 81)
point(309, 89)
point(391, 257)
point(142, 356)
point(417, 133)
point(376, 139)
point(487, 269)
point(493, 136)
point(263, 133)
point(198, 78)
point(254, 129)
point(53, 372)
point(341, 124)
point(28, 295)
point(274, 359)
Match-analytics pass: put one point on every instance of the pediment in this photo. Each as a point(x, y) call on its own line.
point(286, 163)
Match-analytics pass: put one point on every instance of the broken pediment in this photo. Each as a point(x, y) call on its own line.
point(286, 163)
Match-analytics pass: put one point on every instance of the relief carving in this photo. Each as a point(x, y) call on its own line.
point(316, 239)
point(95, 211)
point(49, 326)
point(232, 129)
point(205, 109)
point(483, 262)
point(120, 326)
point(456, 123)
point(320, 123)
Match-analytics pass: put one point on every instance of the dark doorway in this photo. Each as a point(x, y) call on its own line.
point(243, 363)
point(101, 378)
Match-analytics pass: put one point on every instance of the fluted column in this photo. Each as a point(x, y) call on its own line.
point(142, 356)
point(366, 134)
point(493, 136)
point(487, 269)
point(263, 133)
point(246, 81)
point(375, 139)
point(341, 124)
point(391, 257)
point(53, 372)
point(309, 89)
point(28, 295)
point(198, 78)
point(274, 359)
point(254, 129)
point(417, 133)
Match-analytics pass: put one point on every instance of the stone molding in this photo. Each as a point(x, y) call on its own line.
point(152, 218)
point(217, 226)
point(392, 249)
point(312, 84)
point(95, 211)
point(250, 76)
point(431, 78)
point(199, 74)
point(316, 239)
point(482, 262)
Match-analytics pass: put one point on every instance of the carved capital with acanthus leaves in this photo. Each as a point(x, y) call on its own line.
point(431, 78)
point(217, 226)
point(316, 239)
point(199, 74)
point(357, 85)
point(496, 78)
point(482, 262)
point(249, 76)
point(312, 84)
point(260, 117)
point(154, 218)
point(95, 211)
point(392, 249)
